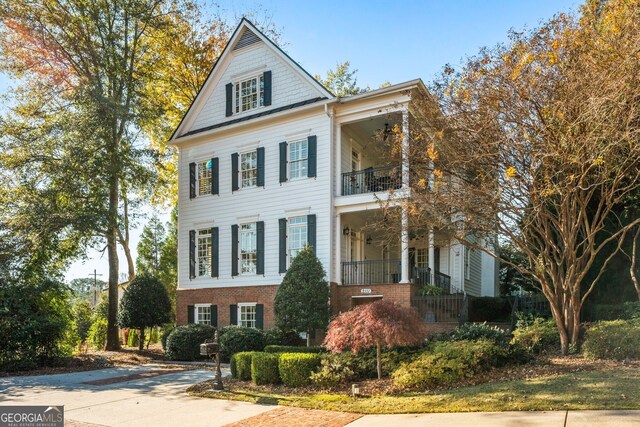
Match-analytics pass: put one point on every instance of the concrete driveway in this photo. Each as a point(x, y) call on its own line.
point(155, 401)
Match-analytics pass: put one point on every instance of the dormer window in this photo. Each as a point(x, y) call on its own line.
point(249, 94)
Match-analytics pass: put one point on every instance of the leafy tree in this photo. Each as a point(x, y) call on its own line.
point(145, 304)
point(150, 247)
point(168, 272)
point(302, 300)
point(342, 81)
point(381, 324)
point(512, 281)
point(82, 317)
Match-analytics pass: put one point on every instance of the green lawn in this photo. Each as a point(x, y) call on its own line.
point(606, 389)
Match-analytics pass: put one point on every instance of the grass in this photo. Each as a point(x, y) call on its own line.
point(604, 389)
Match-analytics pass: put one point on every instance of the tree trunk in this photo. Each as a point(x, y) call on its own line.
point(141, 340)
point(378, 361)
point(634, 258)
point(113, 339)
point(309, 338)
point(124, 240)
point(149, 339)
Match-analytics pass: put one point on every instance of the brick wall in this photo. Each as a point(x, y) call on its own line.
point(342, 295)
point(223, 298)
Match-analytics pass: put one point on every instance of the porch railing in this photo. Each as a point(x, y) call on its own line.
point(441, 308)
point(371, 272)
point(422, 276)
point(371, 180)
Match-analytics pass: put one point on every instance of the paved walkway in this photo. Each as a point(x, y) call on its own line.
point(138, 396)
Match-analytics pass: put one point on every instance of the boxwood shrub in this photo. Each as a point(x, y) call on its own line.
point(474, 331)
point(292, 349)
point(541, 335)
point(615, 339)
point(166, 330)
point(234, 339)
point(240, 365)
point(184, 341)
point(296, 368)
point(264, 368)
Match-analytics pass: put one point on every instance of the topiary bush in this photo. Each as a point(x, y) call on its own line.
point(98, 333)
point(296, 368)
point(276, 336)
point(474, 331)
point(234, 339)
point(447, 363)
point(292, 349)
point(240, 365)
point(264, 368)
point(614, 339)
point(541, 335)
point(184, 341)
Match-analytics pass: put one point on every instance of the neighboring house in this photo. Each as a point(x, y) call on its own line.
point(270, 161)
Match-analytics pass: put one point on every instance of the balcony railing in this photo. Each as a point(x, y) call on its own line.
point(422, 276)
point(371, 272)
point(371, 180)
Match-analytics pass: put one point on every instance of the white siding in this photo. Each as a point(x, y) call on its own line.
point(288, 85)
point(268, 204)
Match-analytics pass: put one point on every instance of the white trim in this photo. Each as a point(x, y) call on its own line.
point(298, 135)
point(248, 74)
point(297, 212)
point(367, 296)
point(247, 219)
point(255, 312)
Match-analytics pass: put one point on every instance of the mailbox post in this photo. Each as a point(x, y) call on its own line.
point(211, 348)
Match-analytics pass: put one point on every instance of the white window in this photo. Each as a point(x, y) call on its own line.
point(298, 159)
point(203, 245)
point(202, 314)
point(204, 177)
point(249, 169)
point(355, 161)
point(247, 315)
point(249, 94)
point(248, 248)
point(422, 258)
point(297, 235)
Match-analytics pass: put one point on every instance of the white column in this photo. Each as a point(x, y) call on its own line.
point(338, 166)
point(432, 256)
point(338, 249)
point(404, 246)
point(405, 148)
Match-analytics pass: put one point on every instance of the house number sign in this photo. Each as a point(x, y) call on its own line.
point(365, 291)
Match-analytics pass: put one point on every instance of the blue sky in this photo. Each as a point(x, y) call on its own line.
point(391, 41)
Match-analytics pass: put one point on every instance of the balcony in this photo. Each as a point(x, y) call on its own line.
point(371, 272)
point(371, 180)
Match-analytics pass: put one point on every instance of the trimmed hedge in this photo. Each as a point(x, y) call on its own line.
point(296, 368)
point(235, 339)
point(292, 349)
point(184, 341)
point(166, 331)
point(264, 368)
point(615, 339)
point(241, 365)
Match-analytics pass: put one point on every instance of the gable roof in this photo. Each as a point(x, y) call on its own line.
point(245, 34)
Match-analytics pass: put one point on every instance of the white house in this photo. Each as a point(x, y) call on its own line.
point(270, 161)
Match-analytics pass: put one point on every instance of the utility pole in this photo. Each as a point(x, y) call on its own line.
point(95, 286)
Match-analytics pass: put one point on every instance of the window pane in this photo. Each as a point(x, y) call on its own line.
point(204, 177)
point(203, 315)
point(298, 154)
point(204, 252)
point(248, 252)
point(297, 235)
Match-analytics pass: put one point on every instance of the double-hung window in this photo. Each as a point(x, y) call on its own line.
point(204, 177)
point(298, 159)
point(249, 94)
point(203, 246)
point(202, 314)
point(297, 235)
point(422, 258)
point(248, 248)
point(247, 315)
point(249, 169)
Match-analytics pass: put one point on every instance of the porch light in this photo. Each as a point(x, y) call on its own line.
point(346, 231)
point(369, 240)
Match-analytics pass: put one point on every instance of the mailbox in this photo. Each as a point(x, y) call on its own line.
point(208, 348)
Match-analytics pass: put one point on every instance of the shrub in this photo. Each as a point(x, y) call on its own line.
point(489, 309)
point(539, 336)
point(184, 341)
point(276, 336)
point(234, 339)
point(430, 290)
point(166, 330)
point(292, 349)
point(332, 373)
point(82, 314)
point(264, 368)
point(240, 365)
point(447, 363)
point(296, 368)
point(98, 333)
point(474, 331)
point(615, 339)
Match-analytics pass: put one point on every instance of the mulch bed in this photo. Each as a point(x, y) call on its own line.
point(298, 417)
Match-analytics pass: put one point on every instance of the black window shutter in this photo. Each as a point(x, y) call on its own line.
point(260, 159)
point(215, 176)
point(283, 162)
point(192, 180)
point(235, 169)
point(191, 314)
point(192, 254)
point(266, 78)
point(260, 316)
point(229, 110)
point(214, 315)
point(282, 263)
point(311, 232)
point(313, 154)
point(215, 255)
point(234, 250)
point(233, 314)
point(260, 247)
point(412, 262)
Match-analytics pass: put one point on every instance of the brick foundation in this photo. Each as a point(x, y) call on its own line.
point(223, 298)
point(342, 296)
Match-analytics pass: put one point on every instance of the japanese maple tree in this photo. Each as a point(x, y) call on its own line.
point(381, 324)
